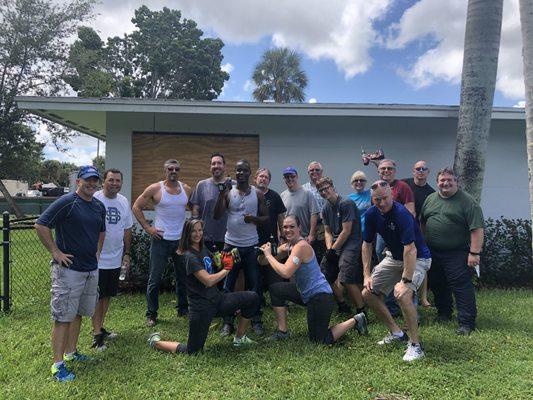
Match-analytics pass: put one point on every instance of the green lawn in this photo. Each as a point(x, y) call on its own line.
point(496, 362)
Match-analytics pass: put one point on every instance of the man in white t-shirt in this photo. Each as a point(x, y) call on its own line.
point(115, 252)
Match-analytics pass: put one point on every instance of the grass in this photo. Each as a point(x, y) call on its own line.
point(496, 362)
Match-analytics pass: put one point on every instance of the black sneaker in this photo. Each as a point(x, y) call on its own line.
point(226, 330)
point(98, 342)
point(109, 335)
point(344, 308)
point(258, 328)
point(361, 324)
point(278, 335)
point(464, 330)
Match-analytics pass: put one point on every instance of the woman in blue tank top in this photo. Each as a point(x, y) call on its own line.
point(310, 289)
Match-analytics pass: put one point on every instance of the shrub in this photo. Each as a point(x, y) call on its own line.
point(506, 259)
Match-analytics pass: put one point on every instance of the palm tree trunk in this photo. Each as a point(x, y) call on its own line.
point(10, 200)
point(526, 21)
point(480, 63)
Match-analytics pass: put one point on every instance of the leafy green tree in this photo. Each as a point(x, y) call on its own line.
point(279, 77)
point(165, 57)
point(99, 163)
point(33, 55)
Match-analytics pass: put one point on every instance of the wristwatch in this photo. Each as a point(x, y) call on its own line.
point(406, 280)
point(474, 254)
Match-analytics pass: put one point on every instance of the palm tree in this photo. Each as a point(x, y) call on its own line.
point(526, 21)
point(279, 77)
point(480, 63)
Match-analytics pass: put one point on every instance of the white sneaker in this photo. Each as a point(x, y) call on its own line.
point(413, 352)
point(243, 341)
point(391, 338)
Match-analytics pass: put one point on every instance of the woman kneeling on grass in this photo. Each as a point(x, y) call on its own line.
point(205, 300)
point(310, 289)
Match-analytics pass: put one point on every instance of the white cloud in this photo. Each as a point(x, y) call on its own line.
point(520, 104)
point(312, 100)
point(248, 86)
point(227, 68)
point(338, 30)
point(441, 26)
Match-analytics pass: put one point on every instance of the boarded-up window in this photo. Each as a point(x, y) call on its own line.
point(151, 150)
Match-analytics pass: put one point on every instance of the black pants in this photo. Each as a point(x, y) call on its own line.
point(449, 273)
point(200, 317)
point(319, 309)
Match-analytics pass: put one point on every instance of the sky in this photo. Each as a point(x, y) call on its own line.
point(353, 51)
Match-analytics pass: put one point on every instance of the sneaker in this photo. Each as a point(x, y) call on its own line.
point(361, 324)
point(109, 335)
point(150, 322)
point(153, 338)
point(258, 328)
point(226, 330)
point(98, 342)
point(77, 357)
point(243, 341)
point(413, 352)
point(279, 335)
point(464, 330)
point(390, 338)
point(62, 374)
point(344, 308)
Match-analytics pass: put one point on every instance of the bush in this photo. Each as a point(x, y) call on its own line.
point(137, 279)
point(506, 260)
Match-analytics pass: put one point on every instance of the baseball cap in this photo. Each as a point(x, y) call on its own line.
point(88, 171)
point(290, 171)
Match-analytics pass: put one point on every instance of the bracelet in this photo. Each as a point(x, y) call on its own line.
point(474, 254)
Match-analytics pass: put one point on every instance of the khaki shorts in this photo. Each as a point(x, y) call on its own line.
point(389, 272)
point(73, 293)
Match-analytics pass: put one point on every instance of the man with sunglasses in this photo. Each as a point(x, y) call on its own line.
point(170, 198)
point(315, 172)
point(419, 185)
point(402, 271)
point(300, 202)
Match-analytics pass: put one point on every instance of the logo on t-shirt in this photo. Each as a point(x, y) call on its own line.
point(208, 265)
point(392, 227)
point(113, 215)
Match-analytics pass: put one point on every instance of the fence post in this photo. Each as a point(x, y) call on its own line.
point(5, 245)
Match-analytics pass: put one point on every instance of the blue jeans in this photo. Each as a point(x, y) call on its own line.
point(450, 274)
point(252, 276)
point(160, 251)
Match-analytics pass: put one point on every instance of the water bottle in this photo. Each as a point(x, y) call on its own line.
point(123, 271)
point(273, 246)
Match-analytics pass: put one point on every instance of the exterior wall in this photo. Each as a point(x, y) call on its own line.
point(14, 187)
point(336, 142)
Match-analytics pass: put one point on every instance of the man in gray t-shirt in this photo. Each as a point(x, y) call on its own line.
point(203, 203)
point(301, 203)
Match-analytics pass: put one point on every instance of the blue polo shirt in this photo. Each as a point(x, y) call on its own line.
point(77, 225)
point(398, 228)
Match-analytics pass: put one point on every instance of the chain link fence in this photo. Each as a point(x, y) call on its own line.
point(26, 265)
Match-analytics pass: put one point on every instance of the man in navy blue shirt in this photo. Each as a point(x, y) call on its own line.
point(402, 270)
point(79, 223)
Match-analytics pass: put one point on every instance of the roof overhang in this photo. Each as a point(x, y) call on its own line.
point(89, 115)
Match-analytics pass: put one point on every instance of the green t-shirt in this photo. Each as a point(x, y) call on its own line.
point(449, 221)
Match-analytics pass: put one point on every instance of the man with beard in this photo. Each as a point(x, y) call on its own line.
point(245, 206)
point(170, 197)
point(203, 203)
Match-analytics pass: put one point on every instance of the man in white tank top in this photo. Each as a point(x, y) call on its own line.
point(169, 197)
point(246, 209)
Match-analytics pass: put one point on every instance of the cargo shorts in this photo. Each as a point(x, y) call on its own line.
point(389, 272)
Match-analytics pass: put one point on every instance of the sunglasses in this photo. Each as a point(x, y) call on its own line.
point(359, 181)
point(379, 184)
point(421, 169)
point(173, 169)
point(314, 170)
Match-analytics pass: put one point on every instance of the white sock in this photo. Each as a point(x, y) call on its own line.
point(398, 334)
point(57, 364)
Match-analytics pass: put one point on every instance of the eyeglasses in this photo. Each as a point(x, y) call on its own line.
point(359, 181)
point(387, 168)
point(173, 169)
point(314, 170)
point(379, 184)
point(323, 189)
point(421, 169)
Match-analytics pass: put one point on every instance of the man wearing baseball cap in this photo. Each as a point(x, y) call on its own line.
point(79, 222)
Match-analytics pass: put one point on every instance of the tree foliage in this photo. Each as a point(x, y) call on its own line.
point(56, 172)
point(279, 77)
point(165, 57)
point(99, 164)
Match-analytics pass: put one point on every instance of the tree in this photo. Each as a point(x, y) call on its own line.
point(526, 22)
point(165, 57)
point(279, 77)
point(99, 163)
point(480, 63)
point(33, 54)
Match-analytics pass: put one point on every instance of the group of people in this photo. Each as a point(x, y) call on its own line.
point(308, 245)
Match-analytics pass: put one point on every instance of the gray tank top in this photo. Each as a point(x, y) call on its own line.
point(238, 232)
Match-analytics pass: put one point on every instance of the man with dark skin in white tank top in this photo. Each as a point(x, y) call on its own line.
point(169, 197)
point(246, 209)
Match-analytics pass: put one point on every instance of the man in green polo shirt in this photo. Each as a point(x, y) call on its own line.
point(452, 222)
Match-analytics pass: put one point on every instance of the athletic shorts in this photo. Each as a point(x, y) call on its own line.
point(108, 282)
point(348, 269)
point(389, 272)
point(73, 293)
